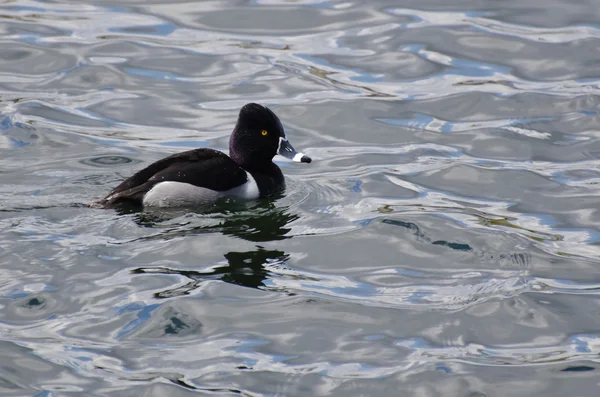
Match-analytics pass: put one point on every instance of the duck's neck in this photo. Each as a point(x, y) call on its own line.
point(270, 180)
point(265, 172)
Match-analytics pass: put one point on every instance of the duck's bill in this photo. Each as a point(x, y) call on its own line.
point(287, 150)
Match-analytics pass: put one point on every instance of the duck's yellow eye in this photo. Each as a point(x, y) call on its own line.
point(264, 132)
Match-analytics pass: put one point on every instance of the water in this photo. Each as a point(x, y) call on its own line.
point(444, 241)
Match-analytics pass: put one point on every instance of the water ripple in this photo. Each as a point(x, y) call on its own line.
point(443, 242)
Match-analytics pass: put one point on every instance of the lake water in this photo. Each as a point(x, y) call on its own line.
point(444, 241)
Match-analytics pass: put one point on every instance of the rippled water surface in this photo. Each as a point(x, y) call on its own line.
point(444, 241)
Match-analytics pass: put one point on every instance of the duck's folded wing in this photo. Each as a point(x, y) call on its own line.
point(206, 168)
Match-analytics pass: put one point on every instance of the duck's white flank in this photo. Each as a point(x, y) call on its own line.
point(179, 194)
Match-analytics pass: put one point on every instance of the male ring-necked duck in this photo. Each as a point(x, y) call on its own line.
point(201, 176)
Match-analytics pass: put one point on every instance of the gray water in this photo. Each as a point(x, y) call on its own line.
point(444, 241)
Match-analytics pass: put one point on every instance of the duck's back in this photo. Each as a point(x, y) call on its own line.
point(198, 171)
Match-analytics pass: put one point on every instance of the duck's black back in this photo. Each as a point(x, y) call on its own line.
point(207, 168)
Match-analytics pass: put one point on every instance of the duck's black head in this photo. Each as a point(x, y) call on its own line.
point(258, 136)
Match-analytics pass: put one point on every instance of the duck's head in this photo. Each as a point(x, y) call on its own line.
point(258, 136)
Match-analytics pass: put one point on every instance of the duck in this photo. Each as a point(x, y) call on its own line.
point(202, 176)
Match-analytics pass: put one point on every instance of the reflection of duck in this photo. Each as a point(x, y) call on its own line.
point(268, 226)
point(243, 268)
point(263, 221)
point(201, 176)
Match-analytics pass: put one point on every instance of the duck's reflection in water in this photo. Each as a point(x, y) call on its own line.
point(248, 269)
point(258, 222)
point(264, 222)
